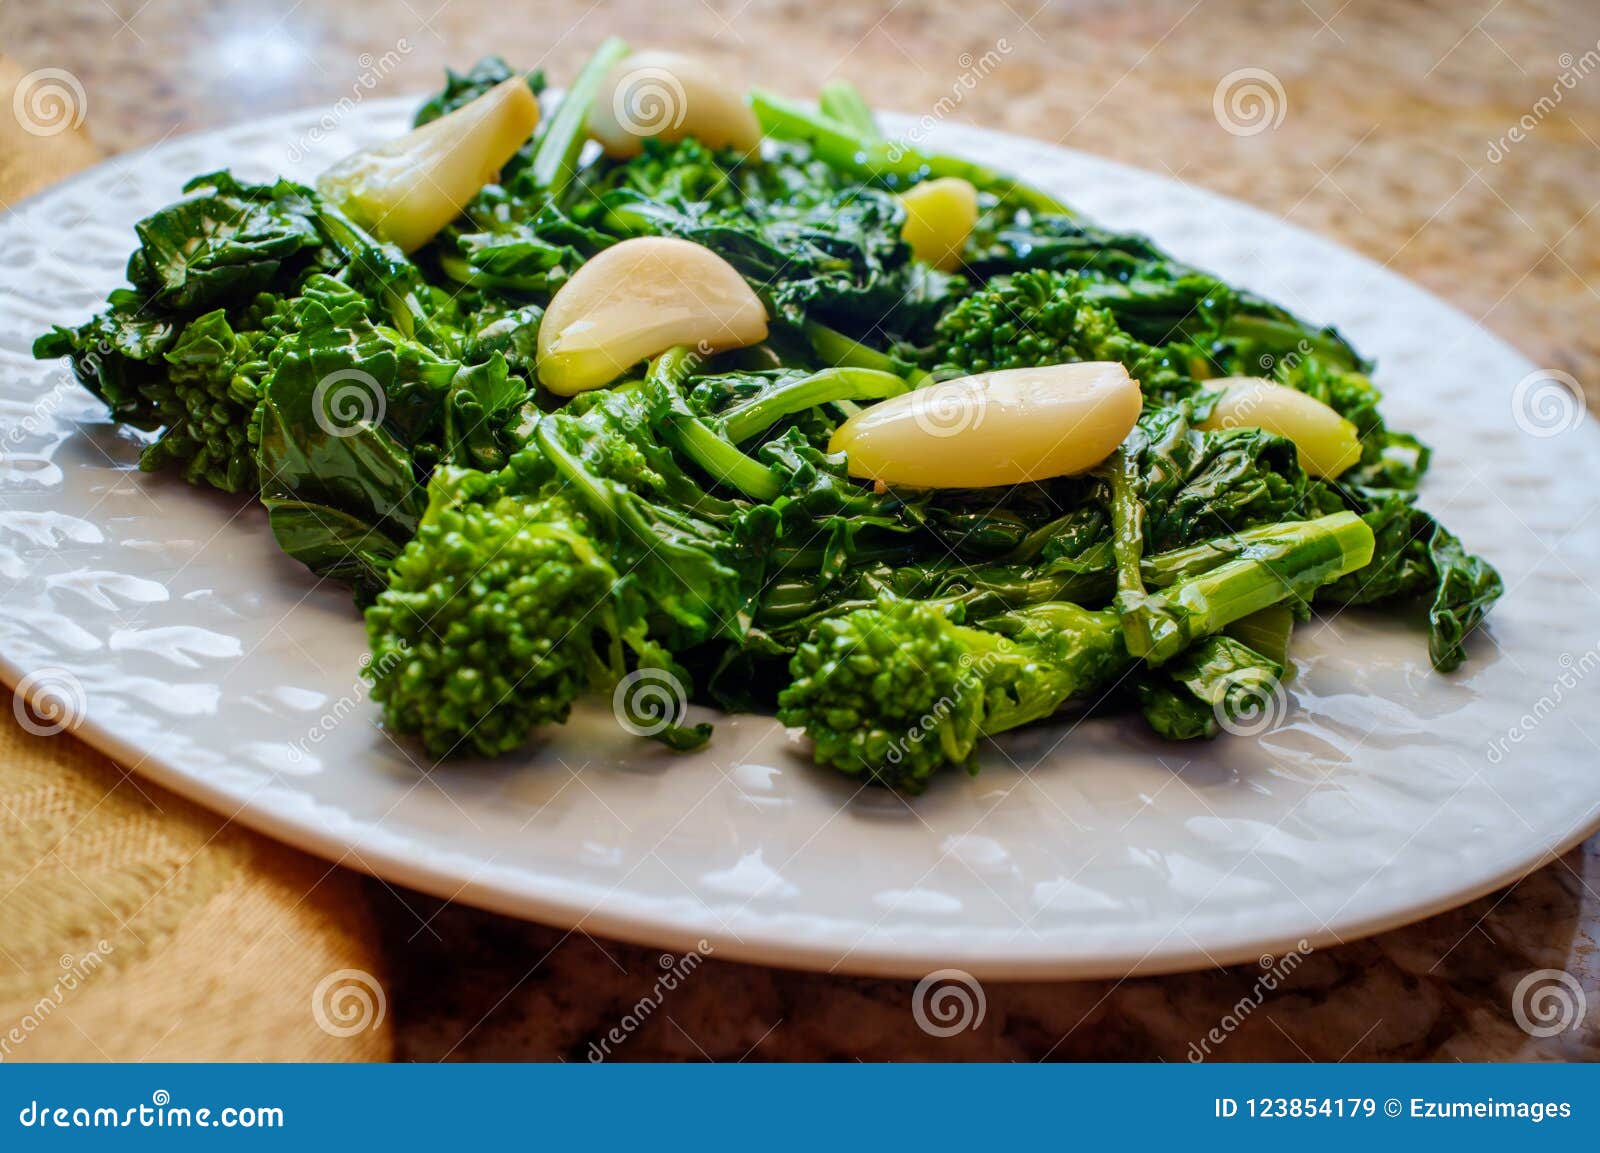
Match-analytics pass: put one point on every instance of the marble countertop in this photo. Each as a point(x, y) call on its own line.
point(1456, 145)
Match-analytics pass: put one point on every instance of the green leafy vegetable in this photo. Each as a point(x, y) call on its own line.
point(1220, 679)
point(1417, 558)
point(514, 550)
point(895, 692)
point(488, 627)
point(465, 87)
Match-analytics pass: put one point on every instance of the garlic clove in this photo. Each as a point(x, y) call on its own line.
point(995, 428)
point(405, 190)
point(940, 215)
point(1327, 443)
point(637, 299)
point(670, 96)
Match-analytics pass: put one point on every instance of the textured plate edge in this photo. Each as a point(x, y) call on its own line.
point(775, 948)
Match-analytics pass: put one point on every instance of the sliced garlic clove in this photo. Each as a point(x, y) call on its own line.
point(996, 428)
point(940, 215)
point(405, 190)
point(637, 299)
point(1326, 442)
point(670, 96)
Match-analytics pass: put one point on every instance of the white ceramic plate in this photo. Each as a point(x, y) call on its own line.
point(183, 643)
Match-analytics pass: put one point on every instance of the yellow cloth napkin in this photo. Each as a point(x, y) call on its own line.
point(135, 925)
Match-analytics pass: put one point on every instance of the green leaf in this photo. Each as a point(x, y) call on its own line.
point(464, 87)
point(1467, 588)
point(341, 488)
point(1417, 557)
point(223, 247)
point(1216, 681)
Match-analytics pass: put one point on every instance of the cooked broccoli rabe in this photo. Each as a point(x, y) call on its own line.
point(1030, 319)
point(514, 549)
point(593, 549)
point(894, 691)
point(521, 588)
point(1037, 318)
point(167, 353)
point(488, 626)
point(215, 284)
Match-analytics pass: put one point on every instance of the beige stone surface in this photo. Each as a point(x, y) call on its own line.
point(1394, 139)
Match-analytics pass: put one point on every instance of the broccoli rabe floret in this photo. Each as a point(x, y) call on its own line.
point(1026, 320)
point(897, 691)
point(589, 552)
point(207, 404)
point(1037, 318)
point(487, 629)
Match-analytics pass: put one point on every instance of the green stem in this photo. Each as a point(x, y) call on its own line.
point(561, 138)
point(1148, 626)
point(1263, 541)
point(1308, 556)
point(842, 101)
point(894, 162)
point(826, 387)
point(835, 348)
point(1085, 648)
point(699, 441)
point(588, 489)
point(722, 460)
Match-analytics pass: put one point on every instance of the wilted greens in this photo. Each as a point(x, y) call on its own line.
point(514, 550)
